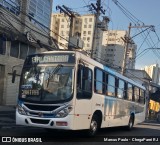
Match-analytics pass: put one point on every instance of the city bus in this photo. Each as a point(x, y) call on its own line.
point(67, 90)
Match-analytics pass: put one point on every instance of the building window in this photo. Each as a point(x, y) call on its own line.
point(62, 26)
point(89, 26)
point(62, 33)
point(77, 22)
point(89, 32)
point(40, 11)
point(2, 45)
point(12, 5)
point(14, 52)
point(112, 34)
point(84, 32)
point(88, 45)
point(88, 39)
point(23, 50)
point(111, 39)
point(85, 20)
point(84, 38)
point(90, 19)
point(62, 20)
point(85, 26)
point(32, 50)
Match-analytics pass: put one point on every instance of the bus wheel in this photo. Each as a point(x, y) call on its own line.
point(94, 126)
point(130, 123)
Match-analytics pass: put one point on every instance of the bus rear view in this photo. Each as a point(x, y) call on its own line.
point(46, 91)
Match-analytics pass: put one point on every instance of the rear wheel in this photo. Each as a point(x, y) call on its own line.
point(94, 126)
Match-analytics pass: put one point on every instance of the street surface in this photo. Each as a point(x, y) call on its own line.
point(8, 128)
point(61, 137)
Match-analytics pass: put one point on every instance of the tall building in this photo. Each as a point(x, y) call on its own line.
point(24, 29)
point(82, 26)
point(154, 72)
point(113, 48)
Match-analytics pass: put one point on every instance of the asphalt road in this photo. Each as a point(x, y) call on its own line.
point(116, 135)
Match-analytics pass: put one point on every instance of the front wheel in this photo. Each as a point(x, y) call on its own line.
point(130, 123)
point(94, 126)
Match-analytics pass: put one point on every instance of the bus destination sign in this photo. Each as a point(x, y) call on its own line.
point(50, 58)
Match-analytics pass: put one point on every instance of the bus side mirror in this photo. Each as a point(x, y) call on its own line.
point(13, 76)
point(85, 73)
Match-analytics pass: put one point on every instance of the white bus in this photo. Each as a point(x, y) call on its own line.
point(68, 90)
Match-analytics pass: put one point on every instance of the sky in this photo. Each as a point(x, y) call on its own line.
point(142, 12)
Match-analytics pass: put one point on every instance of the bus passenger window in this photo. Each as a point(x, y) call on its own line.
point(142, 97)
point(111, 85)
point(99, 81)
point(136, 94)
point(129, 92)
point(120, 91)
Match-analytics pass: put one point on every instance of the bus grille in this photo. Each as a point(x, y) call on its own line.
point(39, 121)
point(41, 107)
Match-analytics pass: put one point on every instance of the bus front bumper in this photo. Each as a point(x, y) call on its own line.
point(65, 123)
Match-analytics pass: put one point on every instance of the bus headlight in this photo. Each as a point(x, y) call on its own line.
point(64, 112)
point(21, 110)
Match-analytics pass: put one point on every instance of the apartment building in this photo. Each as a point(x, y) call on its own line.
point(154, 72)
point(113, 48)
point(24, 29)
point(83, 27)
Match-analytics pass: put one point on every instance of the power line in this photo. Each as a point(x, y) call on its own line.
point(22, 23)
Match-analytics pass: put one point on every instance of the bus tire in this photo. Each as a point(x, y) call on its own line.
point(94, 126)
point(130, 123)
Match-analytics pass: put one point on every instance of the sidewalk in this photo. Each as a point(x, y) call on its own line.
point(7, 108)
point(151, 122)
point(7, 116)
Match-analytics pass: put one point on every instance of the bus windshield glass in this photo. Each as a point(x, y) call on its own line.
point(46, 82)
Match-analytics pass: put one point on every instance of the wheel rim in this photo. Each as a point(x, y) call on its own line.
point(93, 126)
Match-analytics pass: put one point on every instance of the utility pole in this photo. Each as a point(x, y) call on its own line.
point(71, 15)
point(126, 49)
point(127, 41)
point(98, 10)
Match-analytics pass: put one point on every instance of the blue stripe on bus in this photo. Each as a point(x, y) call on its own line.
point(108, 70)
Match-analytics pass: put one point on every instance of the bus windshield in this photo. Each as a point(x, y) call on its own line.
point(46, 84)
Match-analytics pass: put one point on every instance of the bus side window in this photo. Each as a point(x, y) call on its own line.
point(125, 91)
point(142, 97)
point(111, 85)
point(136, 94)
point(129, 92)
point(120, 90)
point(98, 81)
point(84, 82)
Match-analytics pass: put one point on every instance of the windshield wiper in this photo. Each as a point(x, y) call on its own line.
point(57, 68)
